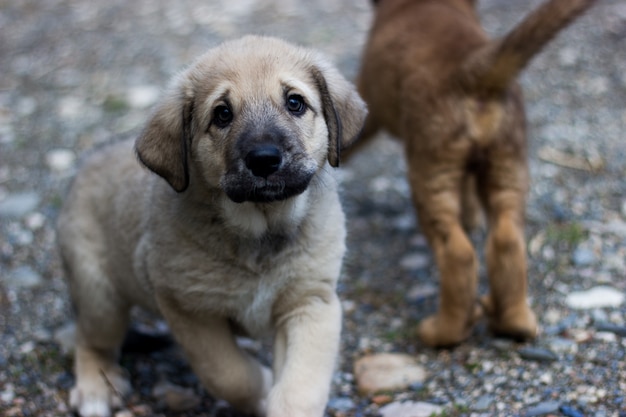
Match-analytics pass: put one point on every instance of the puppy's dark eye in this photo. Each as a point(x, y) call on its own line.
point(296, 105)
point(222, 116)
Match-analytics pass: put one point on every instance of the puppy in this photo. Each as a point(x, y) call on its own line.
point(432, 77)
point(241, 228)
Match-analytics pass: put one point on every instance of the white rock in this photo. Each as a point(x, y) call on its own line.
point(70, 107)
point(24, 277)
point(410, 409)
point(568, 56)
point(415, 261)
point(19, 204)
point(35, 221)
point(143, 96)
point(597, 297)
point(387, 372)
point(60, 160)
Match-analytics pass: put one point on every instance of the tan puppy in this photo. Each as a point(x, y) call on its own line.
point(244, 229)
point(432, 77)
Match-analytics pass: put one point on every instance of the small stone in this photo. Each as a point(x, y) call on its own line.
point(546, 378)
point(24, 277)
point(537, 354)
point(386, 372)
point(597, 297)
point(611, 328)
point(415, 261)
point(341, 404)
point(563, 346)
point(19, 204)
point(124, 413)
point(382, 399)
point(8, 394)
point(580, 335)
point(70, 107)
point(143, 96)
point(35, 221)
point(583, 257)
point(570, 411)
point(60, 160)
point(348, 306)
point(27, 347)
point(568, 56)
point(141, 410)
point(410, 409)
point(483, 403)
point(421, 292)
point(548, 407)
point(176, 398)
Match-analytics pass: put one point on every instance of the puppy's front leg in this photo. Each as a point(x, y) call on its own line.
point(225, 370)
point(305, 350)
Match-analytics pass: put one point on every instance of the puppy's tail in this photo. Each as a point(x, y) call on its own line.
point(493, 67)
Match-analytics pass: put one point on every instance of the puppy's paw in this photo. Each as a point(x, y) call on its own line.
point(97, 396)
point(517, 322)
point(295, 403)
point(440, 331)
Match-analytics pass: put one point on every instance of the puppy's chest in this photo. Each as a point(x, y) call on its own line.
point(246, 278)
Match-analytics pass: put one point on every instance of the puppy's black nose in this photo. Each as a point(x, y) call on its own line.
point(264, 160)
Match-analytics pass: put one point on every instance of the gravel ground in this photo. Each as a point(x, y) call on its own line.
point(78, 73)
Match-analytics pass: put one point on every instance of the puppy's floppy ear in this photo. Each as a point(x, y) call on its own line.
point(343, 108)
point(163, 145)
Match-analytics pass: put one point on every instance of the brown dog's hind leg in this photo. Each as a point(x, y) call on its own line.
point(506, 305)
point(439, 205)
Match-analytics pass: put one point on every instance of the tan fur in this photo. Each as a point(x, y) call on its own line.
point(432, 77)
point(215, 243)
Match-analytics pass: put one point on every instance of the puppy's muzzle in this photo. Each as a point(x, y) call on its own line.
point(264, 160)
point(268, 164)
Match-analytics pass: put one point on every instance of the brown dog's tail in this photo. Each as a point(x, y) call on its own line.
point(493, 67)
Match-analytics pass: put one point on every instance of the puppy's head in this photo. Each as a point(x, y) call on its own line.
point(256, 117)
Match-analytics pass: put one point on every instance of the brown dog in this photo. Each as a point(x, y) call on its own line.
point(432, 77)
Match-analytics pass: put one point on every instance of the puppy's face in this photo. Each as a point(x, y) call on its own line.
point(256, 118)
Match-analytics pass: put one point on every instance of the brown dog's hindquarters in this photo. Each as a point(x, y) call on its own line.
point(431, 77)
point(224, 214)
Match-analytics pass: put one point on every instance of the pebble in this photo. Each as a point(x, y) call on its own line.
point(583, 257)
point(35, 221)
point(176, 398)
point(341, 404)
point(611, 328)
point(386, 372)
point(483, 403)
point(570, 411)
point(19, 204)
point(60, 160)
point(124, 413)
point(597, 297)
point(143, 96)
point(421, 292)
point(548, 407)
point(71, 107)
point(24, 277)
point(537, 354)
point(415, 261)
point(382, 399)
point(410, 409)
point(7, 394)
